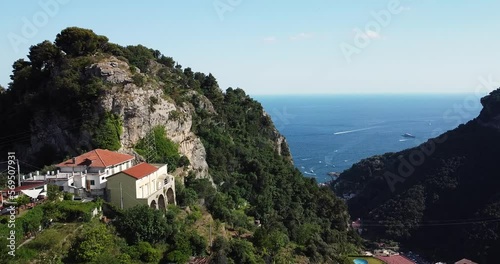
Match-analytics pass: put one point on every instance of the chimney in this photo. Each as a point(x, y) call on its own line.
point(74, 160)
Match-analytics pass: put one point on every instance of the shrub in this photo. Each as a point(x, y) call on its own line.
point(177, 256)
point(68, 196)
point(147, 253)
point(174, 115)
point(183, 161)
point(138, 79)
point(107, 133)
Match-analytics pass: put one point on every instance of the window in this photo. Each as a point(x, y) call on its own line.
point(92, 182)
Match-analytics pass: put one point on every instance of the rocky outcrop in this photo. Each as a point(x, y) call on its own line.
point(279, 141)
point(111, 70)
point(143, 108)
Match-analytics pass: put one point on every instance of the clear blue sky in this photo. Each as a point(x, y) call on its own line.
point(276, 47)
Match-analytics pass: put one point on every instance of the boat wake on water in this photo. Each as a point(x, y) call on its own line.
point(352, 131)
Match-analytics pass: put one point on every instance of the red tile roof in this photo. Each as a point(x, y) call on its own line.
point(465, 261)
point(97, 158)
point(395, 259)
point(140, 170)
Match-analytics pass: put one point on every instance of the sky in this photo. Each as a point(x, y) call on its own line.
point(287, 47)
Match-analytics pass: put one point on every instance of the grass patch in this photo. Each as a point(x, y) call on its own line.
point(47, 245)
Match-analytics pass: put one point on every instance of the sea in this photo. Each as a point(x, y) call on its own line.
point(329, 133)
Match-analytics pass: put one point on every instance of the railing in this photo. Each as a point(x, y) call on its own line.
point(63, 175)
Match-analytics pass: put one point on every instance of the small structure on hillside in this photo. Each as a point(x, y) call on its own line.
point(142, 184)
point(465, 261)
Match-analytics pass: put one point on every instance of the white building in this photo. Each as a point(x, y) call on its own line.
point(142, 184)
point(87, 174)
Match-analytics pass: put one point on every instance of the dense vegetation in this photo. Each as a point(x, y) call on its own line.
point(157, 148)
point(248, 170)
point(253, 178)
point(446, 204)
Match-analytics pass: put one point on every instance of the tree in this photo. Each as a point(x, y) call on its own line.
point(185, 196)
point(22, 200)
point(142, 223)
point(108, 132)
point(211, 89)
point(270, 240)
point(32, 220)
point(53, 192)
point(242, 251)
point(220, 248)
point(183, 161)
point(76, 41)
point(139, 56)
point(147, 253)
point(188, 72)
point(167, 61)
point(198, 244)
point(44, 55)
point(91, 244)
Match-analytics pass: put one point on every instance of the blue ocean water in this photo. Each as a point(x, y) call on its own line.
point(328, 133)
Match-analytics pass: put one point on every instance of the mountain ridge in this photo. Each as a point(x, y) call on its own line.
point(431, 196)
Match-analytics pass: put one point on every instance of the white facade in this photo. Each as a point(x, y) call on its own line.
point(152, 183)
point(77, 179)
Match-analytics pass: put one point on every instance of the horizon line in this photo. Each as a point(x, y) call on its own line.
point(356, 93)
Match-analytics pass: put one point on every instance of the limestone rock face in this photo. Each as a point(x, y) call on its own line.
point(143, 108)
point(112, 70)
point(280, 144)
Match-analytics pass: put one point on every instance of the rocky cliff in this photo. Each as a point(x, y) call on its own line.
point(144, 107)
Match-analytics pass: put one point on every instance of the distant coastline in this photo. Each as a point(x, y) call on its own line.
point(330, 132)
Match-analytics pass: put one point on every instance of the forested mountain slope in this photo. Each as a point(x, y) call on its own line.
point(82, 92)
point(442, 197)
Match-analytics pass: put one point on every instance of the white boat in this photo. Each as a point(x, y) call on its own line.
point(408, 135)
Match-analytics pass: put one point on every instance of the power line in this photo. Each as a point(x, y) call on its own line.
point(433, 222)
point(25, 163)
point(29, 135)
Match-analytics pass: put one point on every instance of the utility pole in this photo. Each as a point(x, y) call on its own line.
point(18, 174)
point(121, 196)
